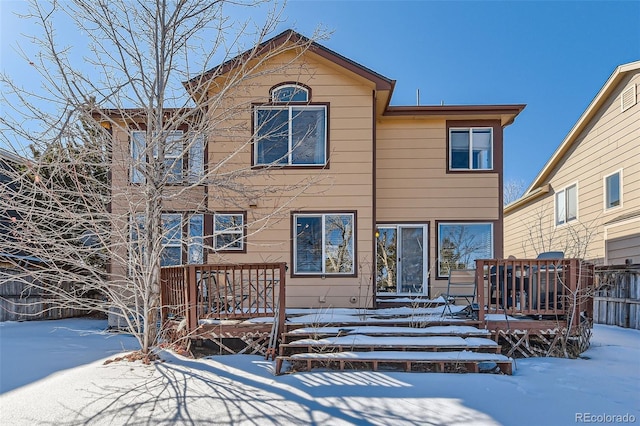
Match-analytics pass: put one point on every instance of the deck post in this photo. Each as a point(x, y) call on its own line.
point(191, 298)
point(163, 295)
point(571, 292)
point(480, 289)
point(282, 304)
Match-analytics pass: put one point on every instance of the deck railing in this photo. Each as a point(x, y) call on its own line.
point(535, 287)
point(195, 292)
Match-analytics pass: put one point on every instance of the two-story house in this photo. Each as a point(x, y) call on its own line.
point(586, 199)
point(371, 199)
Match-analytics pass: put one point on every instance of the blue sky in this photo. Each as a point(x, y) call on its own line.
point(553, 56)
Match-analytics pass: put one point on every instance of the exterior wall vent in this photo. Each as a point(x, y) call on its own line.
point(628, 98)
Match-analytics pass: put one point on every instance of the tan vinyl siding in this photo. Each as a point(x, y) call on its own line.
point(623, 241)
point(345, 186)
point(412, 183)
point(609, 142)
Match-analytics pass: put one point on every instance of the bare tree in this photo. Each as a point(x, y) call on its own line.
point(512, 190)
point(140, 101)
point(573, 239)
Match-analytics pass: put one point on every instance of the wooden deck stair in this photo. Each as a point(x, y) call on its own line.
point(443, 348)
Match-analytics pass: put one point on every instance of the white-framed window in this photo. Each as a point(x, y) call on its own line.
point(471, 148)
point(566, 204)
point(178, 149)
point(613, 190)
point(229, 231)
point(460, 244)
point(174, 238)
point(324, 244)
point(294, 135)
point(195, 240)
point(171, 239)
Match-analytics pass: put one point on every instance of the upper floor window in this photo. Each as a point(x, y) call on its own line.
point(324, 244)
point(567, 204)
point(290, 131)
point(471, 148)
point(183, 156)
point(613, 190)
point(290, 93)
point(229, 231)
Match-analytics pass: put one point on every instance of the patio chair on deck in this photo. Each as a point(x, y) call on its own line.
point(461, 285)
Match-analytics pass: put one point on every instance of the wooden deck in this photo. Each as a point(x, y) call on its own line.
point(530, 308)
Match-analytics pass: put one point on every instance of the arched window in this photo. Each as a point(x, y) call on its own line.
point(290, 92)
point(290, 130)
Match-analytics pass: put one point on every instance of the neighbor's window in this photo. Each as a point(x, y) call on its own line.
point(471, 149)
point(567, 204)
point(324, 244)
point(460, 244)
point(294, 134)
point(177, 151)
point(613, 190)
point(228, 231)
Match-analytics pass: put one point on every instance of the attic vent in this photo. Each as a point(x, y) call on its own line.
point(628, 98)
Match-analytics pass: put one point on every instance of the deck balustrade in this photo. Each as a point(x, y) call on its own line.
point(535, 287)
point(195, 292)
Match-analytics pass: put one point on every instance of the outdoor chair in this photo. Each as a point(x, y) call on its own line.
point(461, 285)
point(551, 291)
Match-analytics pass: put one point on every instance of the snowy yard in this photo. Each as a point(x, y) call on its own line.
point(53, 373)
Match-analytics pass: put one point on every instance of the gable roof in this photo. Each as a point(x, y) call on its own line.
point(290, 36)
point(539, 182)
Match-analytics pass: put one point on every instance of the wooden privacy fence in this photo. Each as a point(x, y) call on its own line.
point(617, 299)
point(24, 298)
point(194, 292)
point(535, 287)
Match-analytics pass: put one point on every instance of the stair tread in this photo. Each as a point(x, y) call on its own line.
point(395, 341)
point(402, 356)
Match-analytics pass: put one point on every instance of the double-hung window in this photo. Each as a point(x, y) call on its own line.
point(460, 244)
point(171, 239)
point(174, 238)
point(324, 244)
point(290, 132)
point(613, 190)
point(183, 156)
point(471, 148)
point(229, 231)
point(567, 204)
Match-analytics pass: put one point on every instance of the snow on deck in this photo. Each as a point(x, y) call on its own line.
point(382, 330)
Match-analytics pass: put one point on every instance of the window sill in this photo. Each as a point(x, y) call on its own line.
point(323, 276)
point(291, 166)
point(472, 171)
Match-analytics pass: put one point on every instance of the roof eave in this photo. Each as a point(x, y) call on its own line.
point(508, 113)
point(381, 82)
point(582, 122)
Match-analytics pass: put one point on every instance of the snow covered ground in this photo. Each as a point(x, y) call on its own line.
point(53, 372)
